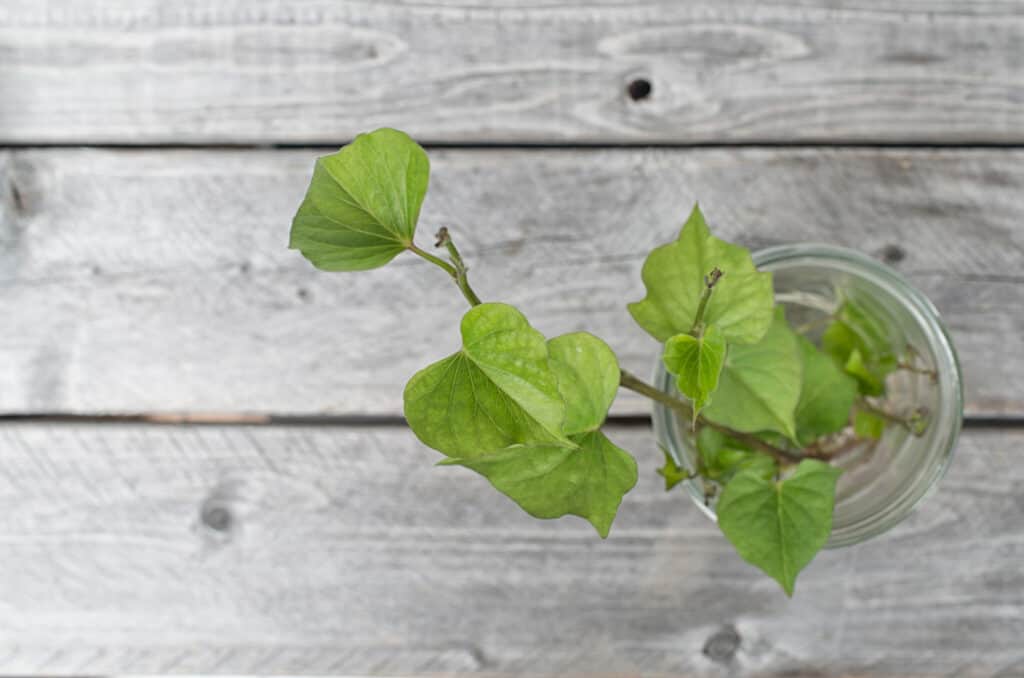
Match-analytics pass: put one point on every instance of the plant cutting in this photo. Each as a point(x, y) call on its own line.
point(765, 398)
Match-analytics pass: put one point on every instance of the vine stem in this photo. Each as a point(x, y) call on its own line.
point(637, 385)
point(457, 269)
point(709, 286)
point(461, 270)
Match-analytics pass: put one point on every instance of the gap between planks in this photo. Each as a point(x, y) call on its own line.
point(346, 421)
point(823, 143)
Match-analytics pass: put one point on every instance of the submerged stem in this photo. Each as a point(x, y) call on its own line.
point(634, 383)
point(916, 422)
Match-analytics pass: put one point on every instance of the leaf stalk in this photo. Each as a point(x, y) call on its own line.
point(709, 284)
point(457, 269)
point(637, 385)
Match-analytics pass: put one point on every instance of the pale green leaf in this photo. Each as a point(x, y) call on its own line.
point(759, 387)
point(674, 275)
point(860, 342)
point(363, 203)
point(826, 397)
point(550, 481)
point(870, 381)
point(588, 378)
point(779, 526)
point(497, 391)
point(868, 425)
point(696, 362)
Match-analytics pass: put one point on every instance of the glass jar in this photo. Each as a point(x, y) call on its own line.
point(882, 482)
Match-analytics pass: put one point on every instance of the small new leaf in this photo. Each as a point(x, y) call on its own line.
point(760, 384)
point(868, 425)
point(499, 390)
point(363, 202)
point(780, 526)
point(671, 471)
point(588, 379)
point(826, 397)
point(550, 481)
point(674, 275)
point(696, 362)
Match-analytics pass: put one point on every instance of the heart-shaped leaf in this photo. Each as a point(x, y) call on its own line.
point(674, 275)
point(550, 481)
point(499, 390)
point(826, 397)
point(780, 526)
point(588, 378)
point(696, 362)
point(363, 202)
point(760, 384)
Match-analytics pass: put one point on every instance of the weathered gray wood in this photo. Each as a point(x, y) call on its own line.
point(262, 71)
point(153, 549)
point(117, 312)
point(159, 281)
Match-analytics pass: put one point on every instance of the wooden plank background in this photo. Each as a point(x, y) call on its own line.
point(158, 549)
point(472, 71)
point(156, 280)
point(144, 283)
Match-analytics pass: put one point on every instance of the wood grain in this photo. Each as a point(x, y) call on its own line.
point(554, 71)
point(158, 549)
point(159, 281)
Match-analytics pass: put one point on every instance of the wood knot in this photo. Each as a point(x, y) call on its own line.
point(216, 517)
point(639, 89)
point(893, 254)
point(722, 646)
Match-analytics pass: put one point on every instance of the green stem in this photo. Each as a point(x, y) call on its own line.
point(456, 271)
point(462, 271)
point(709, 285)
point(448, 268)
point(637, 385)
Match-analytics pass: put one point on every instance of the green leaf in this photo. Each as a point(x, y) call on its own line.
point(671, 471)
point(740, 304)
point(780, 526)
point(696, 362)
point(868, 425)
point(363, 202)
point(826, 397)
point(588, 379)
point(497, 391)
point(760, 384)
point(550, 481)
point(723, 457)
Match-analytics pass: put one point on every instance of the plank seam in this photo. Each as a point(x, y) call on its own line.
point(835, 144)
point(347, 421)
